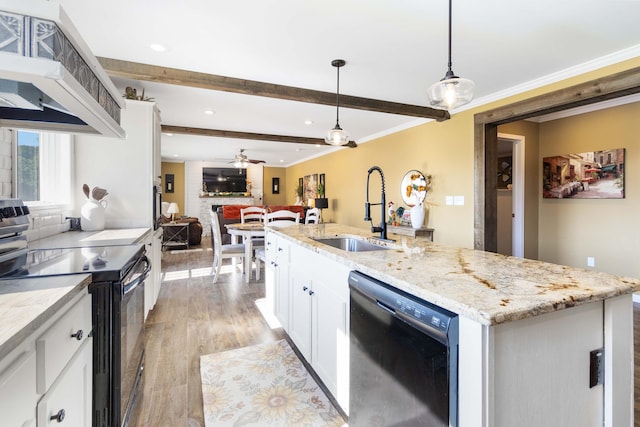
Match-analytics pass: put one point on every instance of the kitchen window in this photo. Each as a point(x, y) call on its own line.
point(43, 168)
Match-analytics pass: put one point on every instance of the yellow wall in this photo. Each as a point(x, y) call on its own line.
point(177, 169)
point(444, 150)
point(607, 229)
point(269, 198)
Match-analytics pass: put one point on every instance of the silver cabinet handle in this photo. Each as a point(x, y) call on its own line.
point(59, 417)
point(304, 288)
point(311, 293)
point(78, 335)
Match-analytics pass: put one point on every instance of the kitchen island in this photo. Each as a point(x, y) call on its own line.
point(527, 328)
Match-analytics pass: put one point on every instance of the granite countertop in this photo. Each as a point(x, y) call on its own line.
point(486, 287)
point(26, 304)
point(84, 239)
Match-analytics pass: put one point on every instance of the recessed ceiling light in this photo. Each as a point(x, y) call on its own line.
point(157, 47)
point(281, 161)
point(318, 145)
point(175, 155)
point(297, 150)
point(169, 134)
point(209, 112)
point(308, 122)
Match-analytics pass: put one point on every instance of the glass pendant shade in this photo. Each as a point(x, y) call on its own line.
point(451, 92)
point(337, 136)
point(241, 164)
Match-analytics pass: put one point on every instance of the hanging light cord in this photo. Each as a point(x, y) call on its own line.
point(450, 71)
point(338, 97)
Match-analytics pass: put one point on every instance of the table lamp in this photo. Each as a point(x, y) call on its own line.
point(173, 209)
point(321, 203)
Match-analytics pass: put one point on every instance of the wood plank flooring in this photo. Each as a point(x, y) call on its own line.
point(193, 317)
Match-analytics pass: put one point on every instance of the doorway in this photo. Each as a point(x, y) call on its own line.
point(510, 194)
point(486, 139)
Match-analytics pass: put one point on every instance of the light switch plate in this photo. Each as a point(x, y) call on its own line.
point(458, 200)
point(448, 200)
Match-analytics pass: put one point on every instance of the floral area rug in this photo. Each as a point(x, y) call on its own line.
point(262, 385)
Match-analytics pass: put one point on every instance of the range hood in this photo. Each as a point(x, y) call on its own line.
point(49, 79)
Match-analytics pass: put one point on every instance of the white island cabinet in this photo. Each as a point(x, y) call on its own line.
point(46, 353)
point(311, 303)
point(539, 344)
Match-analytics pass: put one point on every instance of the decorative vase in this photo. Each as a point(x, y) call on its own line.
point(92, 215)
point(417, 216)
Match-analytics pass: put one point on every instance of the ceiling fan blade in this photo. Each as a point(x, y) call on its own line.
point(255, 162)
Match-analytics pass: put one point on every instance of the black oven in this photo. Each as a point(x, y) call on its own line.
point(118, 318)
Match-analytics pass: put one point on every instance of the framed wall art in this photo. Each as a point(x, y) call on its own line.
point(588, 175)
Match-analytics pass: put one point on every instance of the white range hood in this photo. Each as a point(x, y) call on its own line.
point(49, 79)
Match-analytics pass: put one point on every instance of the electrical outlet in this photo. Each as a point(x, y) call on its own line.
point(591, 261)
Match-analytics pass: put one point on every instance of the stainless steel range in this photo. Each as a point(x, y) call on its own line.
point(117, 289)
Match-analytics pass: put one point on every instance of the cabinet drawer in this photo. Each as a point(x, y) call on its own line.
point(18, 391)
point(57, 344)
point(68, 401)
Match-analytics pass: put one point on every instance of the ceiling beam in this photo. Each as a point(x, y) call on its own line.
point(217, 133)
point(154, 73)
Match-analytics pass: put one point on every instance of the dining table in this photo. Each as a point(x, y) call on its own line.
point(248, 231)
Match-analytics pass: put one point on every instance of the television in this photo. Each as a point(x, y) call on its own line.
point(224, 180)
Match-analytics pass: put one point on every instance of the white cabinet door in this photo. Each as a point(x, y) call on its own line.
point(153, 246)
point(156, 262)
point(330, 340)
point(300, 311)
point(18, 397)
point(68, 401)
point(282, 287)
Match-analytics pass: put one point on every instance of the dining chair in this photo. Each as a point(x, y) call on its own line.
point(252, 213)
point(221, 251)
point(282, 218)
point(261, 258)
point(312, 216)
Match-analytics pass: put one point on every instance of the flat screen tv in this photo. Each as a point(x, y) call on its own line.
point(225, 180)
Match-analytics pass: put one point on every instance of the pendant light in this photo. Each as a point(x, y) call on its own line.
point(452, 91)
point(337, 136)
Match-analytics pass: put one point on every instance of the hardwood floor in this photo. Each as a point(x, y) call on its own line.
point(193, 317)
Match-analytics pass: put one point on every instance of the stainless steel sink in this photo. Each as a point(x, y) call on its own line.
point(351, 244)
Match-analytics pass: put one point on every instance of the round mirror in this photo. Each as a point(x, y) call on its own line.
point(413, 188)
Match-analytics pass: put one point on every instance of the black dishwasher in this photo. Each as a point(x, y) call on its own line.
point(403, 358)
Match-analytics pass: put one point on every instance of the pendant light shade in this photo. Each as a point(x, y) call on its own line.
point(452, 91)
point(337, 136)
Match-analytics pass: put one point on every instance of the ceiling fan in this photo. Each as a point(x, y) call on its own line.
point(242, 161)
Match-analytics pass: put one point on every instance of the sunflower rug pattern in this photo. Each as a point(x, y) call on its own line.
point(262, 385)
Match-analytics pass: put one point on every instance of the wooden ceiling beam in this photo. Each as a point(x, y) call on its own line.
point(218, 133)
point(154, 73)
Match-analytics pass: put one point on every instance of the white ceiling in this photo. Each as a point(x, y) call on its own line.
point(394, 51)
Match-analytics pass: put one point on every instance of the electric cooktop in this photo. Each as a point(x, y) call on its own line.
point(105, 263)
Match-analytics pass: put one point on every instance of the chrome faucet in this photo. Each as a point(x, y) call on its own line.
point(367, 206)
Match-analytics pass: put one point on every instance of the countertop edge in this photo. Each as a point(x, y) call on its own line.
point(39, 320)
point(623, 285)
